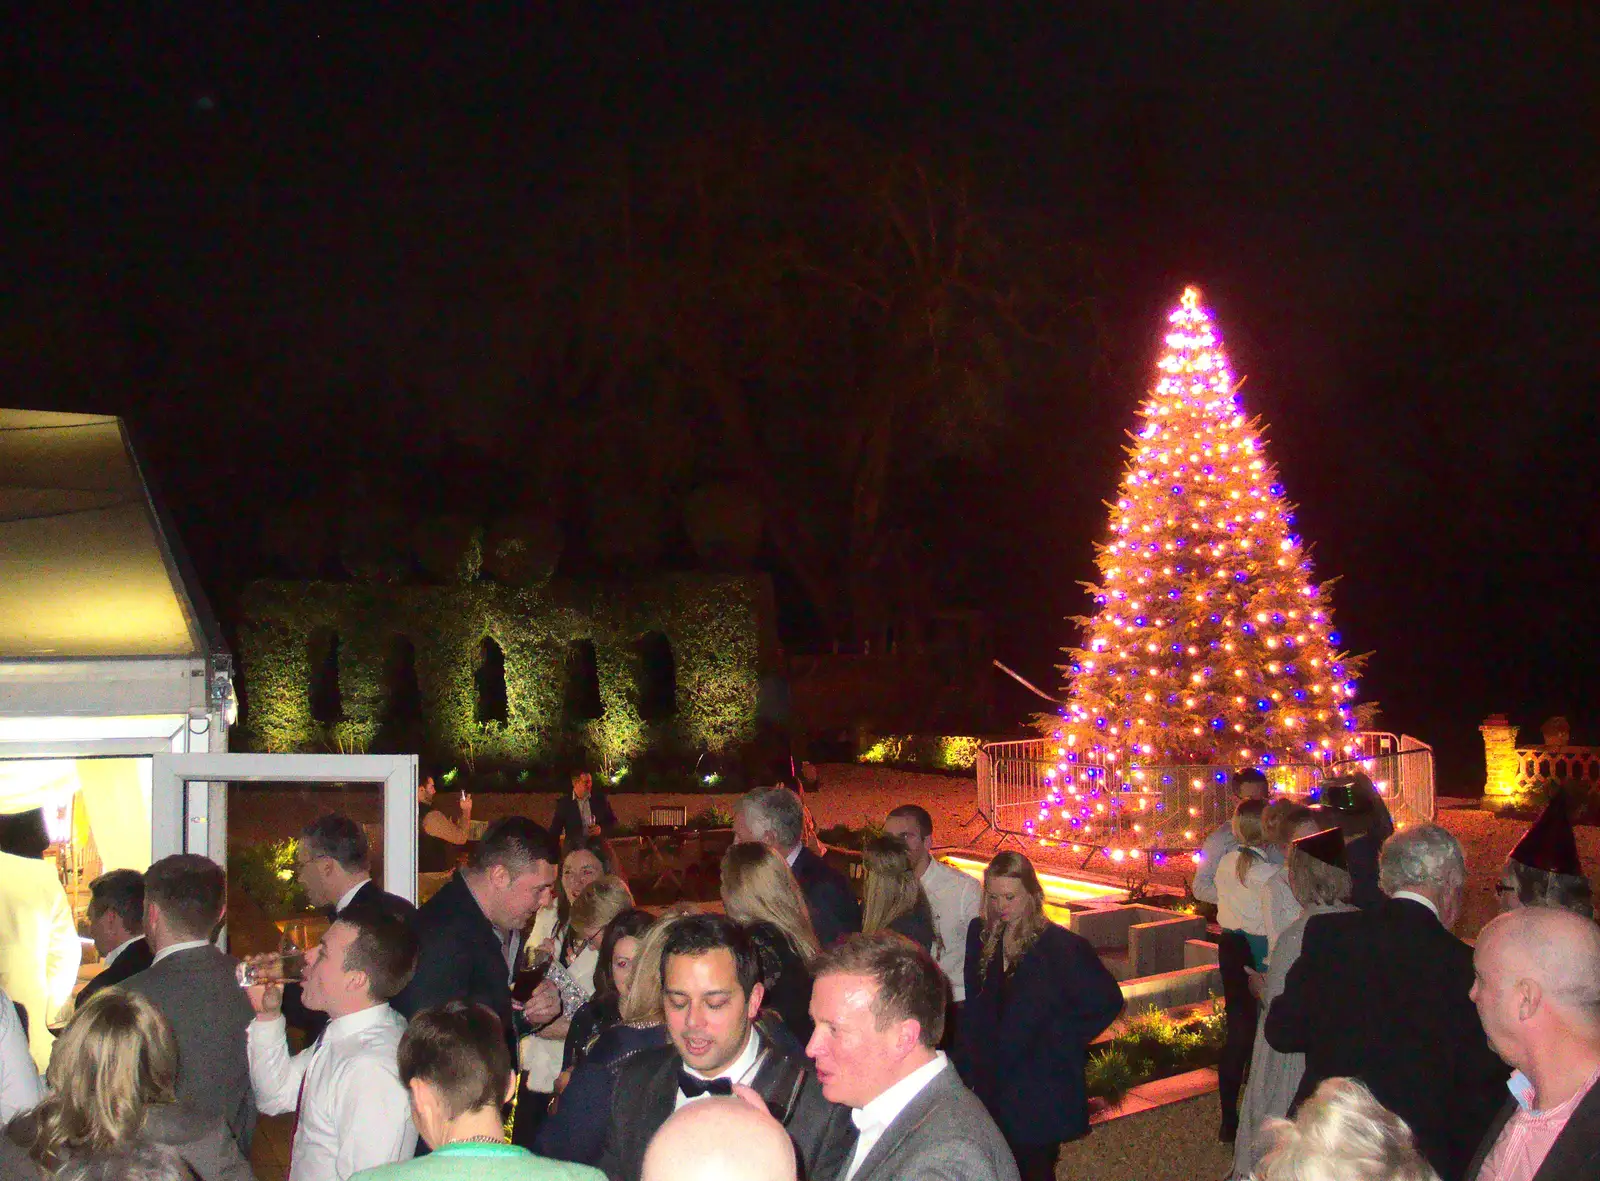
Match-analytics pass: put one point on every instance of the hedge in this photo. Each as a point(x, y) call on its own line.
point(711, 623)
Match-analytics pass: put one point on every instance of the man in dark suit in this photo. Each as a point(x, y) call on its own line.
point(879, 1006)
point(582, 813)
point(711, 995)
point(195, 986)
point(116, 921)
point(471, 931)
point(774, 816)
point(1537, 989)
point(331, 859)
point(1383, 996)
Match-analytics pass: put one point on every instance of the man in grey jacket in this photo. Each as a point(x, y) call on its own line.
point(194, 985)
point(878, 1004)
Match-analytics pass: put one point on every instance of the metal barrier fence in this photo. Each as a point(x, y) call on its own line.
point(1049, 790)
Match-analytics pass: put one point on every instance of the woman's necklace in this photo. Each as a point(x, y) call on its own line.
point(480, 1140)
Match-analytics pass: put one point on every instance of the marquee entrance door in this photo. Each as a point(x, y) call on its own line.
point(271, 796)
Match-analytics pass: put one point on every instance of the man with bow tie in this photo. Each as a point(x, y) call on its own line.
point(711, 995)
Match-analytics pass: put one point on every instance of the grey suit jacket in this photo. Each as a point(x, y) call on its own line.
point(945, 1132)
point(199, 995)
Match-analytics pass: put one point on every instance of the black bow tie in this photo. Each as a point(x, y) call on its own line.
point(693, 1087)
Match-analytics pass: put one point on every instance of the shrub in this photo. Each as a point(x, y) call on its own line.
point(928, 752)
point(265, 874)
point(1110, 1075)
point(716, 816)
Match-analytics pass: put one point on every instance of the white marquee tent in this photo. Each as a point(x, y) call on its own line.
point(108, 651)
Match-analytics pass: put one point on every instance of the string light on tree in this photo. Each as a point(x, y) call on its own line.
point(1210, 642)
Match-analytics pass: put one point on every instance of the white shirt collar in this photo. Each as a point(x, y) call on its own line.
point(120, 948)
point(793, 853)
point(175, 948)
point(1428, 902)
point(361, 1019)
point(740, 1066)
point(879, 1113)
point(349, 896)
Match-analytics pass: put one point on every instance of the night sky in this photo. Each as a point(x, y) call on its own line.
point(280, 237)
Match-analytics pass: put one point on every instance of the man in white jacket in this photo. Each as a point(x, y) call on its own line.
point(39, 948)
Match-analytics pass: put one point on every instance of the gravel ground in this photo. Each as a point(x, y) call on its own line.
point(1177, 1142)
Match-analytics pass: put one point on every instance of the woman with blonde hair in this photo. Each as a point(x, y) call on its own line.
point(1037, 995)
point(1243, 876)
point(1342, 1133)
point(895, 901)
point(572, 972)
point(1317, 875)
point(576, 1129)
point(760, 894)
point(113, 1085)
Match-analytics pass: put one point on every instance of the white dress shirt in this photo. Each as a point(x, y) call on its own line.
point(175, 948)
point(1428, 902)
point(111, 957)
point(874, 1119)
point(739, 1070)
point(354, 1112)
point(20, 1089)
point(956, 899)
point(349, 896)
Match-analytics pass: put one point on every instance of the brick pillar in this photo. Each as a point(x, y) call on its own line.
point(1499, 757)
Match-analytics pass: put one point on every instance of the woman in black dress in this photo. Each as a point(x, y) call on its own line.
point(618, 948)
point(895, 900)
point(1037, 995)
point(760, 894)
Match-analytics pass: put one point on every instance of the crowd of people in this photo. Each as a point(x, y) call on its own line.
point(528, 1021)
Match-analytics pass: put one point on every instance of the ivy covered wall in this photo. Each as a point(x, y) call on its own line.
point(713, 624)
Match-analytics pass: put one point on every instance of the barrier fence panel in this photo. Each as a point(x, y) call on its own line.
point(1041, 788)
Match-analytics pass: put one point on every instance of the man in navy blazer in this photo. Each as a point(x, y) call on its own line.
point(116, 921)
point(775, 817)
point(1384, 996)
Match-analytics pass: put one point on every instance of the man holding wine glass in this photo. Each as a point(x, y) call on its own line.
point(353, 1111)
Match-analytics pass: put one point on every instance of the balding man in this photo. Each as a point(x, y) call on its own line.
point(1536, 982)
point(1381, 995)
point(720, 1139)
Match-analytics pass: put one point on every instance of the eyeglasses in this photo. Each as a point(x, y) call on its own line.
point(1502, 888)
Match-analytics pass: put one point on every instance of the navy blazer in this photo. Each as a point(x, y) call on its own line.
point(136, 957)
point(576, 1130)
point(835, 912)
point(1023, 1054)
point(460, 958)
point(568, 821)
point(1381, 995)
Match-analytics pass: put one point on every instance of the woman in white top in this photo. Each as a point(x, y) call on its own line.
point(1283, 823)
point(39, 948)
point(1242, 878)
point(572, 971)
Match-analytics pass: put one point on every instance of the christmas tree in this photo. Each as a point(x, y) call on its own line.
point(1210, 642)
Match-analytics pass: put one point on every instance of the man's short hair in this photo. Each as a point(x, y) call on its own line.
point(1426, 855)
point(460, 1049)
point(910, 985)
point(384, 947)
point(1248, 775)
point(120, 892)
point(918, 815)
point(191, 892)
point(337, 836)
point(698, 934)
point(516, 843)
point(774, 812)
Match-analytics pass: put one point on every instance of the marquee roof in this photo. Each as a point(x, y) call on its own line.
point(86, 568)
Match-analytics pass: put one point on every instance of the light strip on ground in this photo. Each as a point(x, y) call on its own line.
point(1057, 889)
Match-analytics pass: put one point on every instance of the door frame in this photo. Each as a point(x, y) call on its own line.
point(189, 802)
